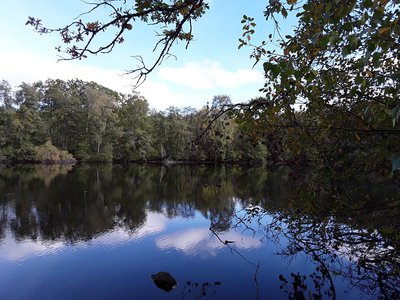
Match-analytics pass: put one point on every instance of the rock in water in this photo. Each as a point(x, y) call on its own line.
point(164, 281)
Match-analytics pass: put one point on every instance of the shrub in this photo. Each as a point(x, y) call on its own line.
point(50, 153)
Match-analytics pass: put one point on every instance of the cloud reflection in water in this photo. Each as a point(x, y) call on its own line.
point(201, 242)
point(13, 250)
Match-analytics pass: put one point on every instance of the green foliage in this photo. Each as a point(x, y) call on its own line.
point(6, 98)
point(94, 123)
point(101, 121)
point(63, 111)
point(135, 140)
point(331, 93)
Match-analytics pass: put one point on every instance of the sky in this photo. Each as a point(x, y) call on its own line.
point(212, 65)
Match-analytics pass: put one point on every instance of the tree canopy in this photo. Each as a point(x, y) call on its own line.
point(336, 80)
point(45, 121)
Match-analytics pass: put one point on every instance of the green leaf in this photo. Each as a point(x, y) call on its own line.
point(333, 39)
point(353, 40)
point(275, 69)
point(359, 80)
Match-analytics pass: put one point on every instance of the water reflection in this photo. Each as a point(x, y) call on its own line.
point(201, 242)
point(12, 249)
point(90, 201)
point(347, 228)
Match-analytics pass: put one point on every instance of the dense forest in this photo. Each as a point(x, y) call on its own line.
point(60, 120)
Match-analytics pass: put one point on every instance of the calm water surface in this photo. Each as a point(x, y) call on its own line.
point(101, 232)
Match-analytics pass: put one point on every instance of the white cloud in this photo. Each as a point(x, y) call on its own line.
point(210, 75)
point(160, 95)
point(191, 85)
point(23, 66)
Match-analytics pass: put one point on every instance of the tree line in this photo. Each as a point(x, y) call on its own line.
point(58, 120)
point(74, 119)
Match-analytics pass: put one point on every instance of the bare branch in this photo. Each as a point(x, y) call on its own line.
point(172, 16)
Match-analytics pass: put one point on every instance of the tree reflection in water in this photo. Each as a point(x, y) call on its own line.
point(347, 225)
point(346, 228)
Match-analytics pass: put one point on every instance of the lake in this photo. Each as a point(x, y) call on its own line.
point(217, 232)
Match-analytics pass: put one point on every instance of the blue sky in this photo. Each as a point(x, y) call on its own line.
point(212, 65)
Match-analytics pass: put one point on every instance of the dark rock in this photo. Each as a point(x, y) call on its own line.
point(164, 281)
